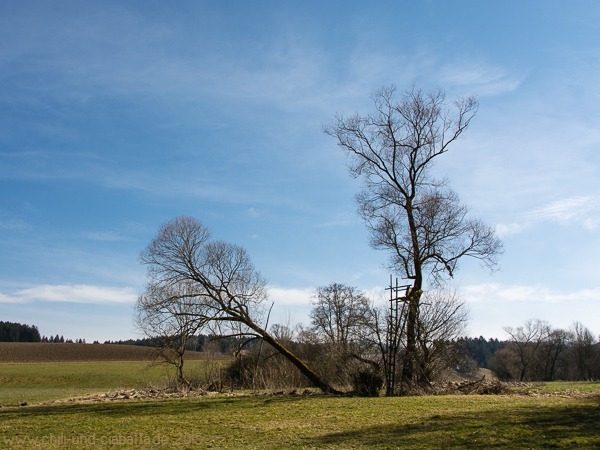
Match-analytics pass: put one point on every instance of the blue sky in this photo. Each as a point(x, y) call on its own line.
point(118, 116)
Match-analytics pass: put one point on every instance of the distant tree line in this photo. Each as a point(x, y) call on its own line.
point(145, 342)
point(198, 343)
point(57, 339)
point(17, 332)
point(538, 352)
point(480, 349)
point(62, 340)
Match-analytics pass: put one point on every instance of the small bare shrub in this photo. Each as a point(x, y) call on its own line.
point(367, 383)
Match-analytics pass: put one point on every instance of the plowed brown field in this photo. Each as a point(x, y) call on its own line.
point(44, 352)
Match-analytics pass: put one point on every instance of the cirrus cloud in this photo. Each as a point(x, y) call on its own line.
point(576, 210)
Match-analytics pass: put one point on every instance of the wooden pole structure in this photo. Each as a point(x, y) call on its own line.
point(394, 332)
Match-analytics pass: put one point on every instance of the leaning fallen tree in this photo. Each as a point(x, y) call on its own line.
point(222, 287)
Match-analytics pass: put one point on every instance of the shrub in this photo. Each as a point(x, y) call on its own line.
point(367, 383)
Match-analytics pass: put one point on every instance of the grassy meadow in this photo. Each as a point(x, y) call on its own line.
point(543, 419)
point(38, 382)
point(275, 422)
point(43, 372)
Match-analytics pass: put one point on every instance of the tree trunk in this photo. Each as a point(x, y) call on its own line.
point(315, 379)
point(409, 367)
point(410, 356)
point(180, 375)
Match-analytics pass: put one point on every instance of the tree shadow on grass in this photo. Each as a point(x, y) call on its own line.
point(571, 426)
point(116, 409)
point(131, 408)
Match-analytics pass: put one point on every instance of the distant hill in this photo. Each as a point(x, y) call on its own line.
point(44, 352)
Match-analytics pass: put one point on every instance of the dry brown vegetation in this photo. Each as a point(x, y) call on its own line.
point(45, 352)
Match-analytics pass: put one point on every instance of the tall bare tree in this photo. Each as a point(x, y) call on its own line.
point(220, 281)
point(417, 218)
point(553, 352)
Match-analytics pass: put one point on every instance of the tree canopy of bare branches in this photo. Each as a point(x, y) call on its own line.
point(339, 314)
point(222, 287)
point(536, 351)
point(442, 319)
point(413, 215)
point(169, 313)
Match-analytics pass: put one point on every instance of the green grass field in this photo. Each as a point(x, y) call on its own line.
point(79, 370)
point(38, 382)
point(542, 420)
point(309, 422)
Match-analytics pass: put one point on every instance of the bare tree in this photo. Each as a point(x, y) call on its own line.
point(342, 319)
point(442, 319)
point(552, 353)
point(282, 332)
point(417, 218)
point(169, 313)
point(220, 280)
point(536, 351)
point(583, 351)
point(526, 343)
point(339, 314)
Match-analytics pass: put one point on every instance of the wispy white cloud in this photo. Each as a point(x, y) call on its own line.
point(76, 293)
point(339, 220)
point(103, 236)
point(196, 182)
point(496, 292)
point(495, 305)
point(291, 73)
point(582, 211)
point(9, 224)
point(481, 78)
point(509, 229)
point(290, 296)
